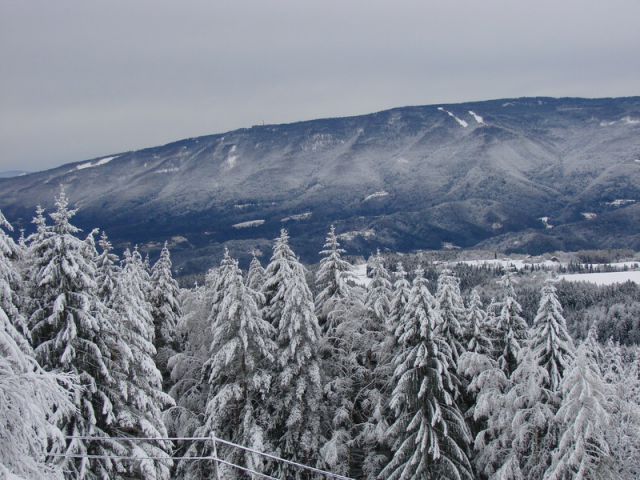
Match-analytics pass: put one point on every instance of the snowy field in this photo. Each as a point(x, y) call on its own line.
point(606, 278)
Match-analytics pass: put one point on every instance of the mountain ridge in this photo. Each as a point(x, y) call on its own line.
point(471, 173)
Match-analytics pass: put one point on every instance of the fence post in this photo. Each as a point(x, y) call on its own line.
point(216, 476)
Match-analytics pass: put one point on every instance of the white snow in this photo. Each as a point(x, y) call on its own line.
point(232, 158)
point(357, 233)
point(297, 218)
point(460, 121)
point(168, 170)
point(360, 275)
point(379, 194)
point(589, 215)
point(545, 221)
point(620, 202)
point(97, 163)
point(625, 120)
point(632, 264)
point(606, 278)
point(249, 224)
point(477, 117)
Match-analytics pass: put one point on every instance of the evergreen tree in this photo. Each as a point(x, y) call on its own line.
point(332, 278)
point(241, 357)
point(583, 451)
point(430, 436)
point(623, 381)
point(378, 290)
point(277, 273)
point(165, 303)
point(107, 271)
point(550, 341)
point(255, 276)
point(138, 375)
point(67, 329)
point(32, 401)
point(452, 313)
point(511, 328)
point(347, 380)
point(190, 391)
point(516, 443)
point(297, 388)
point(478, 336)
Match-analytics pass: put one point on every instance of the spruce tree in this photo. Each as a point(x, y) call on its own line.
point(378, 296)
point(68, 326)
point(165, 304)
point(255, 276)
point(138, 375)
point(452, 313)
point(430, 436)
point(32, 401)
point(584, 419)
point(332, 278)
point(239, 377)
point(277, 273)
point(511, 328)
point(550, 341)
point(478, 335)
point(297, 387)
point(516, 442)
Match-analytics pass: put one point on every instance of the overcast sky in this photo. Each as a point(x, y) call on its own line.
point(80, 79)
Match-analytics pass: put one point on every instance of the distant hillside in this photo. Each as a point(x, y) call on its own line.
point(12, 173)
point(527, 175)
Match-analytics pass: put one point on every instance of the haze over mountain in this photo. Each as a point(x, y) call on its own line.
point(526, 174)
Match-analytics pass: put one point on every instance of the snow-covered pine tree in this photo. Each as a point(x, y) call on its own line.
point(138, 376)
point(584, 419)
point(297, 388)
point(452, 314)
point(512, 329)
point(166, 310)
point(430, 437)
point(550, 341)
point(516, 443)
point(32, 401)
point(477, 360)
point(276, 275)
point(255, 275)
point(239, 377)
point(478, 336)
point(107, 271)
point(332, 278)
point(11, 282)
point(623, 380)
point(347, 381)
point(378, 296)
point(189, 390)
point(393, 330)
point(373, 437)
point(67, 329)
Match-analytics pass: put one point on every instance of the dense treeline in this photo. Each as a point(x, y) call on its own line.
point(424, 373)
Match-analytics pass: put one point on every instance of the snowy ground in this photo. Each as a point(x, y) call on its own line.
point(606, 278)
point(360, 273)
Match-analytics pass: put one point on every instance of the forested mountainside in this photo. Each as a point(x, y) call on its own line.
point(526, 174)
point(391, 376)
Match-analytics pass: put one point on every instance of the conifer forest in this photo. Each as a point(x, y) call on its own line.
point(415, 370)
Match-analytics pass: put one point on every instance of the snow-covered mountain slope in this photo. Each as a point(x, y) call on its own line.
point(473, 173)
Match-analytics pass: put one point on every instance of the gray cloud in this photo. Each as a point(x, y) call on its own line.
point(81, 79)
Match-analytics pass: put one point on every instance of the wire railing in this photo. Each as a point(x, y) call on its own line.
point(215, 440)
